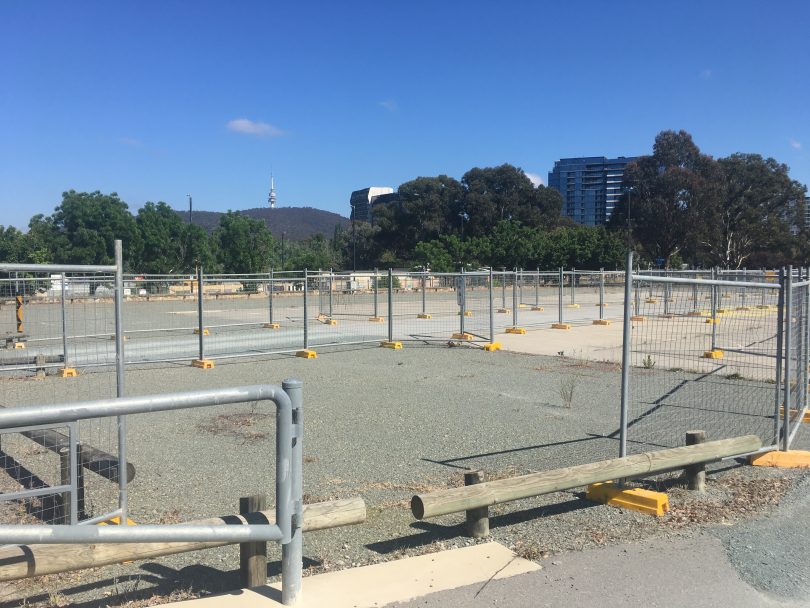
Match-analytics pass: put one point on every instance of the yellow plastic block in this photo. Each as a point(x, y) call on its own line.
point(67, 372)
point(19, 345)
point(468, 313)
point(636, 499)
point(492, 347)
point(523, 305)
point(376, 319)
point(743, 308)
point(651, 301)
point(793, 459)
point(464, 336)
point(602, 305)
point(271, 326)
point(515, 330)
point(723, 311)
point(794, 413)
point(423, 316)
point(330, 322)
point(572, 305)
point(203, 363)
point(538, 309)
point(638, 318)
point(115, 521)
point(197, 332)
point(711, 321)
point(504, 311)
point(307, 354)
point(713, 354)
point(125, 338)
point(560, 326)
point(764, 307)
point(393, 345)
point(601, 322)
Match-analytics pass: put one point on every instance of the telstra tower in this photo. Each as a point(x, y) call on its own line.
point(272, 198)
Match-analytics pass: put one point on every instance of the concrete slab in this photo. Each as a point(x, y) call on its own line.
point(591, 342)
point(397, 581)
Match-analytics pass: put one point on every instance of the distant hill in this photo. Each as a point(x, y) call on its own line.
point(298, 222)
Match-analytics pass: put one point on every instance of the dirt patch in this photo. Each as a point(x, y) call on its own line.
point(239, 426)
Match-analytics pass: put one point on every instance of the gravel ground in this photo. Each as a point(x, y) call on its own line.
point(384, 425)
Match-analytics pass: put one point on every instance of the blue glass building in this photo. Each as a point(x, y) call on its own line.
point(590, 186)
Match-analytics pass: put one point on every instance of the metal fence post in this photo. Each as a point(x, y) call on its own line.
point(121, 421)
point(601, 293)
point(806, 359)
point(64, 326)
point(625, 395)
point(573, 285)
point(306, 312)
point(537, 289)
point(780, 334)
point(376, 308)
point(292, 554)
point(390, 305)
point(200, 327)
point(503, 288)
point(270, 295)
point(788, 357)
point(491, 310)
point(462, 297)
point(714, 309)
point(515, 302)
point(667, 294)
point(331, 287)
point(424, 287)
point(560, 297)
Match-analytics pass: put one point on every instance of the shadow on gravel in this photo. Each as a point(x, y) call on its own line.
point(154, 579)
point(431, 532)
point(450, 462)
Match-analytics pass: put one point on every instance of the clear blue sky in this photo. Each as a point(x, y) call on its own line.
point(155, 100)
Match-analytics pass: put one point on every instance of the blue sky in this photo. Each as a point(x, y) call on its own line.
point(155, 100)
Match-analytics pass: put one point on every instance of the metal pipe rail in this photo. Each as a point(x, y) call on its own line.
point(653, 279)
point(56, 268)
point(289, 495)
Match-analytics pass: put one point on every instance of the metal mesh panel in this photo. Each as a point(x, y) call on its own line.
point(701, 358)
point(59, 334)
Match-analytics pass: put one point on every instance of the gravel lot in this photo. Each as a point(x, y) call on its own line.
point(384, 425)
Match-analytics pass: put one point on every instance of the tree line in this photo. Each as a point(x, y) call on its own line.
point(682, 206)
point(84, 227)
point(679, 206)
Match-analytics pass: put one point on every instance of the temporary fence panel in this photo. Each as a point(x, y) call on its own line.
point(59, 324)
point(696, 363)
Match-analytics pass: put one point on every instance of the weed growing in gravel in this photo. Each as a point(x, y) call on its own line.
point(567, 386)
point(734, 376)
point(648, 362)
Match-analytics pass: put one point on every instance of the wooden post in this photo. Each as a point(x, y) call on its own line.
point(695, 474)
point(477, 519)
point(253, 555)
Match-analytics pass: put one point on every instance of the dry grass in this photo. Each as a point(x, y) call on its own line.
point(739, 498)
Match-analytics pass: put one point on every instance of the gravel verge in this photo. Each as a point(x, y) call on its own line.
point(384, 425)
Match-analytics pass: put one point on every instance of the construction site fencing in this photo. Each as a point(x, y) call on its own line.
point(208, 316)
point(61, 323)
point(721, 352)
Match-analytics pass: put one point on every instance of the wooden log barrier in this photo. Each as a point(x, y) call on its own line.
point(455, 500)
point(25, 561)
